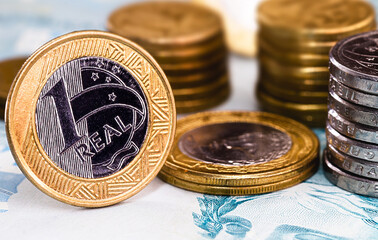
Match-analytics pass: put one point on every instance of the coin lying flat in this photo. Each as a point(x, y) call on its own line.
point(246, 150)
point(348, 181)
point(90, 118)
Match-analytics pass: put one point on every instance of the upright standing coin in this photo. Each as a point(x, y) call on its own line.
point(90, 118)
point(253, 152)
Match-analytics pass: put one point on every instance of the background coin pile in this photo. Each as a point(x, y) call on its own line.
point(240, 153)
point(294, 41)
point(188, 43)
point(351, 156)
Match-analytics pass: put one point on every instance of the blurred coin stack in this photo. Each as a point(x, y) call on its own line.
point(351, 156)
point(188, 43)
point(294, 41)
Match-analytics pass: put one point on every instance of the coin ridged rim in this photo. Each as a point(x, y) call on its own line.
point(239, 190)
point(346, 180)
point(305, 145)
point(351, 147)
point(353, 130)
point(21, 129)
point(353, 165)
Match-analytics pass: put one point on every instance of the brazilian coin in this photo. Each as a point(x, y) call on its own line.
point(351, 129)
point(353, 148)
point(241, 149)
point(90, 118)
point(347, 181)
point(353, 62)
point(353, 165)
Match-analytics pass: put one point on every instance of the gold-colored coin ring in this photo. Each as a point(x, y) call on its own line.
point(239, 190)
point(21, 127)
point(279, 69)
point(189, 106)
point(259, 178)
point(295, 83)
point(313, 115)
point(305, 145)
point(294, 59)
point(287, 94)
point(293, 18)
point(165, 23)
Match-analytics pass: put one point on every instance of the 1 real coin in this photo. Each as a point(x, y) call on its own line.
point(90, 118)
point(225, 149)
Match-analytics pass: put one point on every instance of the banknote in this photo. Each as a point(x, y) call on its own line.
point(314, 209)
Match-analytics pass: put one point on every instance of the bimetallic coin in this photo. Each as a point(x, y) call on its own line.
point(352, 130)
point(353, 165)
point(348, 181)
point(82, 116)
point(165, 23)
point(224, 149)
point(352, 112)
point(352, 95)
point(353, 148)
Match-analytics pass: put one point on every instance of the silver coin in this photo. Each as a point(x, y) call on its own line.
point(354, 60)
point(352, 95)
point(353, 112)
point(352, 130)
point(351, 147)
point(353, 165)
point(349, 182)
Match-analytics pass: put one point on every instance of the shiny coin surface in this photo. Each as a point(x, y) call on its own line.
point(352, 95)
point(165, 23)
point(224, 149)
point(353, 165)
point(353, 62)
point(353, 148)
point(90, 118)
point(351, 129)
point(347, 181)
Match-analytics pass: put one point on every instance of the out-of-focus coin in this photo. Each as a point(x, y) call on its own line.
point(165, 23)
point(229, 149)
point(353, 62)
point(353, 112)
point(353, 148)
point(8, 71)
point(313, 115)
point(90, 118)
point(352, 130)
point(349, 182)
point(285, 94)
point(352, 95)
point(353, 165)
point(322, 20)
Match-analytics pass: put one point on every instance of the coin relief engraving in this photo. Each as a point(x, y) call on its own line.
point(235, 143)
point(91, 117)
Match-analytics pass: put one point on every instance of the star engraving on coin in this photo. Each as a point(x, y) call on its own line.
point(95, 76)
point(112, 97)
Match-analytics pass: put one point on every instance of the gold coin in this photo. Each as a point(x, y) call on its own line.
point(200, 104)
point(8, 71)
point(294, 59)
point(287, 94)
point(280, 69)
point(90, 118)
point(322, 20)
point(165, 23)
point(240, 190)
point(229, 149)
point(313, 115)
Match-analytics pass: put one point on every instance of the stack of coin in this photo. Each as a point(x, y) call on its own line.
point(239, 153)
point(351, 156)
point(188, 43)
point(294, 41)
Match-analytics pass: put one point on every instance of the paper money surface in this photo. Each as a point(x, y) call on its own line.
point(314, 209)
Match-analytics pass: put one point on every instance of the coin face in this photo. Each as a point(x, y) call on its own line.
point(235, 143)
point(87, 115)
